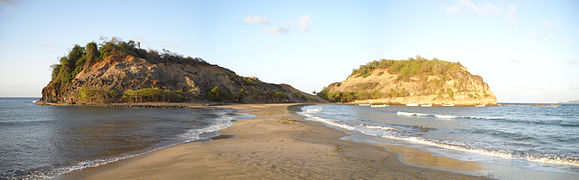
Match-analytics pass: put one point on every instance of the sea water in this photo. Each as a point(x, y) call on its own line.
point(540, 138)
point(38, 142)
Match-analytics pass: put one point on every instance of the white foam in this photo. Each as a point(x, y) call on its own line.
point(313, 110)
point(445, 116)
point(400, 113)
point(505, 154)
point(330, 122)
point(222, 122)
point(378, 127)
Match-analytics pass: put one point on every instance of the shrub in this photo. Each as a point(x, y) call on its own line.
point(154, 95)
point(218, 94)
point(98, 94)
point(277, 96)
point(408, 68)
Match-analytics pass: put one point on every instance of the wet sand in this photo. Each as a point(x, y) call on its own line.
point(276, 144)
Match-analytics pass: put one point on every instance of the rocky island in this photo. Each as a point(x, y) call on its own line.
point(121, 72)
point(416, 81)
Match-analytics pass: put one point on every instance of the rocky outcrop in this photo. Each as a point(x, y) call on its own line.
point(129, 78)
point(413, 81)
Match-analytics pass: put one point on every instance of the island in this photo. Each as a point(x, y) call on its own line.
point(412, 82)
point(116, 71)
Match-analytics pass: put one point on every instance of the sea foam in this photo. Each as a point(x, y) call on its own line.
point(382, 131)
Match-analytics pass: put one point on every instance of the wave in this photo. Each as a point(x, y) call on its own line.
point(222, 121)
point(378, 127)
point(386, 132)
point(400, 113)
point(327, 121)
point(502, 119)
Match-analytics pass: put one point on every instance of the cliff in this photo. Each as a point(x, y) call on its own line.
point(412, 81)
point(119, 72)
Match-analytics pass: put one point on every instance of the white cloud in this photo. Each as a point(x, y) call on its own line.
point(453, 9)
point(484, 9)
point(256, 20)
point(277, 30)
point(516, 61)
point(511, 15)
point(305, 22)
point(8, 2)
point(170, 44)
point(48, 45)
point(534, 36)
point(572, 61)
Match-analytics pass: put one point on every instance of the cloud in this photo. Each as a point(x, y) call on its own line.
point(170, 44)
point(8, 2)
point(453, 9)
point(256, 20)
point(305, 22)
point(517, 61)
point(484, 9)
point(534, 36)
point(572, 61)
point(49, 48)
point(511, 15)
point(277, 30)
point(48, 45)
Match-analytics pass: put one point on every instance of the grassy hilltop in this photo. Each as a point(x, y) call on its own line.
point(413, 81)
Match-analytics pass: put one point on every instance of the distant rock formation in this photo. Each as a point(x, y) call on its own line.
point(120, 72)
point(570, 102)
point(412, 81)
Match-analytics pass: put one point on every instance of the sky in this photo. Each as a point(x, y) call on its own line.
point(527, 51)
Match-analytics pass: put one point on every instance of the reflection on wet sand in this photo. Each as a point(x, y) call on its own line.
point(422, 158)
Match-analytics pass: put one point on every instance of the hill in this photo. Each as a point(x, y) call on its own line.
point(119, 72)
point(570, 102)
point(412, 81)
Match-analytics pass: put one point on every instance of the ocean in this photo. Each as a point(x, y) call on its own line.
point(531, 138)
point(38, 142)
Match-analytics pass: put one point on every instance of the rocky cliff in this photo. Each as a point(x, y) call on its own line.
point(412, 81)
point(118, 72)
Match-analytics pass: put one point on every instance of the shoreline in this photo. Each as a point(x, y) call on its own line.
point(276, 144)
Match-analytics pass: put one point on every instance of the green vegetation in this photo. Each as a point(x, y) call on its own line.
point(80, 57)
point(349, 96)
point(408, 68)
point(97, 94)
point(277, 96)
point(154, 95)
point(240, 95)
point(218, 94)
point(366, 85)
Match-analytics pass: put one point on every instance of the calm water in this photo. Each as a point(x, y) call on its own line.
point(45, 141)
point(530, 137)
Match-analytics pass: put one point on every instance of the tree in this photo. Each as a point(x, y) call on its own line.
point(92, 53)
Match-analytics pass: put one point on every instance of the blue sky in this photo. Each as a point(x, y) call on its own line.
point(527, 51)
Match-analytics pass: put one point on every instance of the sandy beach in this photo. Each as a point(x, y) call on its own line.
point(276, 144)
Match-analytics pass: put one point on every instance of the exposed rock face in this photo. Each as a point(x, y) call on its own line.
point(422, 82)
point(118, 78)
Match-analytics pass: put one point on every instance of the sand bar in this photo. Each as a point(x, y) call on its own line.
point(276, 144)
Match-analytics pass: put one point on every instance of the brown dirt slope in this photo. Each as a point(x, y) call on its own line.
point(127, 78)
